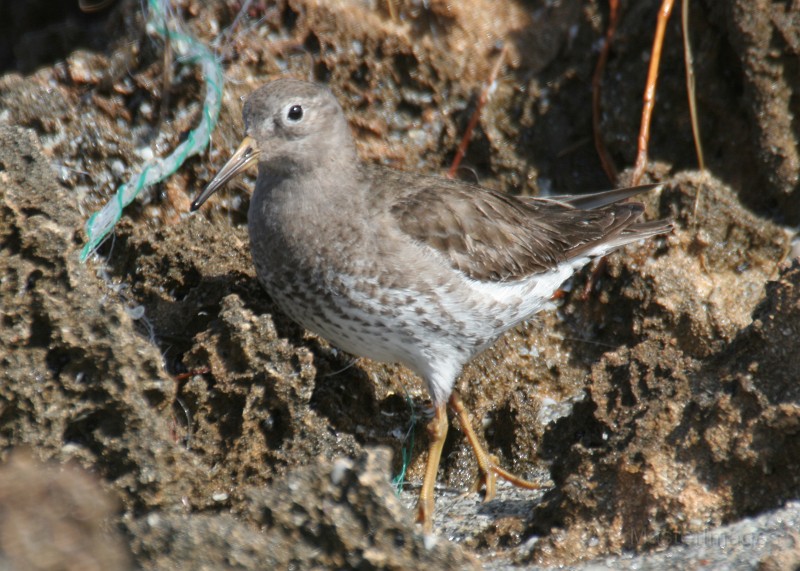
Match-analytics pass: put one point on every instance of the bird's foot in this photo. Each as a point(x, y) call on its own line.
point(487, 463)
point(490, 471)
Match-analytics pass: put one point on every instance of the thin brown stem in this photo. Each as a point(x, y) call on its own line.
point(690, 92)
point(650, 91)
point(597, 82)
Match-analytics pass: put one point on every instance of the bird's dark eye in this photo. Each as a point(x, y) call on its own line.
point(295, 113)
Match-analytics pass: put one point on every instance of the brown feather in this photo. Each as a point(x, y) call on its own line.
point(491, 236)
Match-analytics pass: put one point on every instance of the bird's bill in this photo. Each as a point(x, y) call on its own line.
point(245, 155)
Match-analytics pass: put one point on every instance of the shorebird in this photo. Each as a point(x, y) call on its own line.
point(403, 267)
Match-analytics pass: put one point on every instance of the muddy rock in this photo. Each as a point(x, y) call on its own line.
point(766, 38)
point(330, 515)
point(659, 395)
point(685, 429)
point(78, 378)
point(56, 518)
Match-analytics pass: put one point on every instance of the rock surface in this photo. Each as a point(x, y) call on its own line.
point(661, 396)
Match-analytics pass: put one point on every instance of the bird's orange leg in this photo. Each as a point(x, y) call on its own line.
point(486, 462)
point(437, 430)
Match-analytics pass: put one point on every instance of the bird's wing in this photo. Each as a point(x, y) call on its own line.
point(490, 236)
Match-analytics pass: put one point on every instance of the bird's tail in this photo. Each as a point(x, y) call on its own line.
point(600, 199)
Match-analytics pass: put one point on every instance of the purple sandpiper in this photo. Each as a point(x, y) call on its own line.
point(402, 267)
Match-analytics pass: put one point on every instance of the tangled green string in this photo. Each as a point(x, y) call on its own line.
point(408, 448)
point(102, 222)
